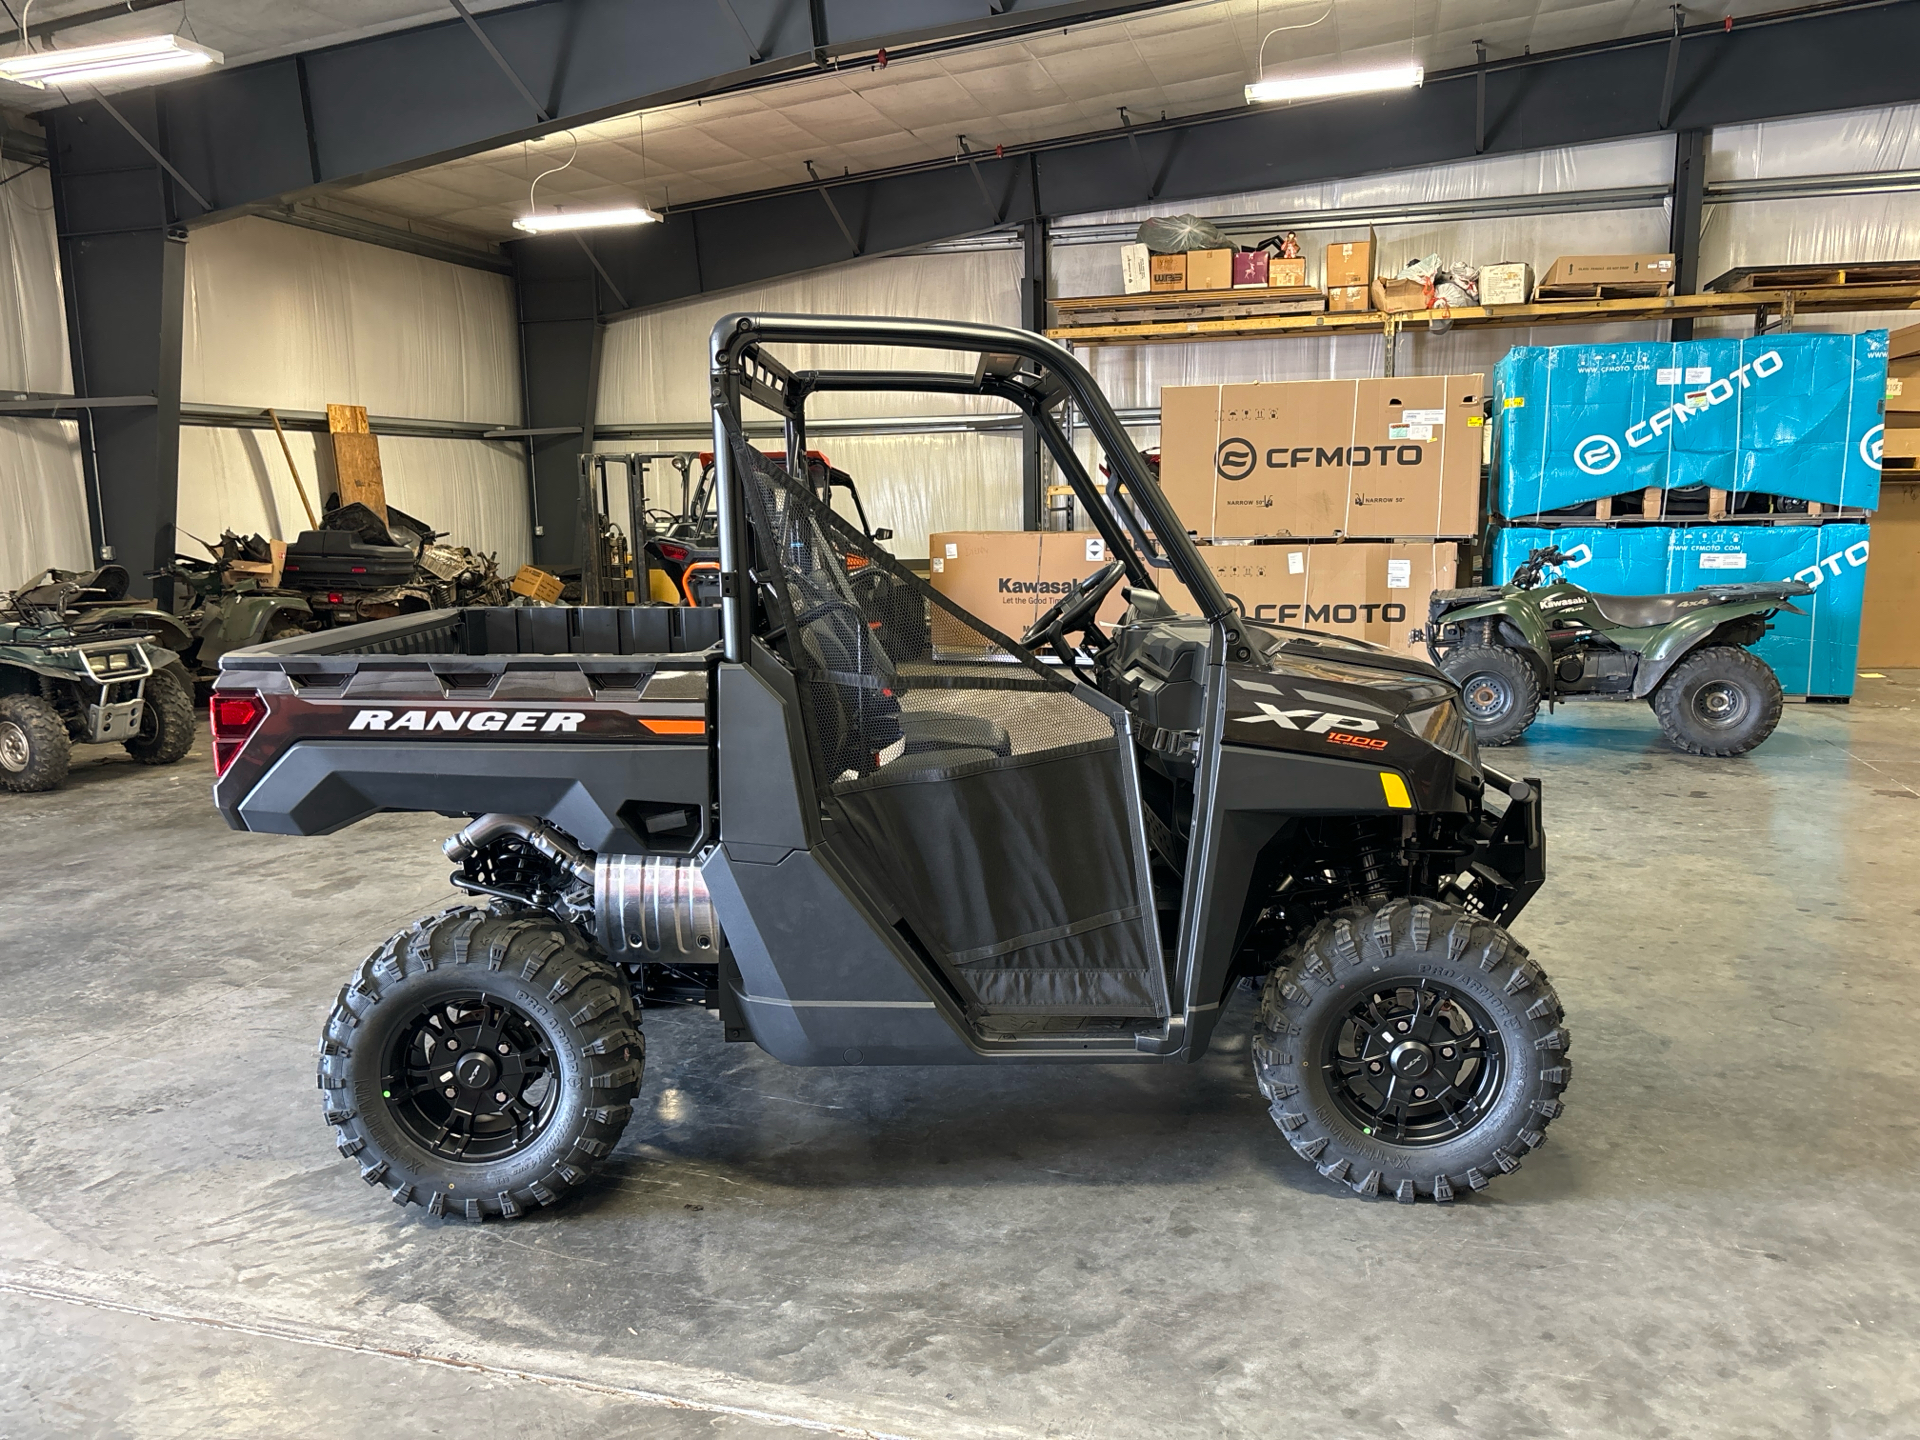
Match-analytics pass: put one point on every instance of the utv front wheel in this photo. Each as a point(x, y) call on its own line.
point(1720, 700)
point(166, 720)
point(1413, 1050)
point(34, 748)
point(481, 1065)
point(1499, 689)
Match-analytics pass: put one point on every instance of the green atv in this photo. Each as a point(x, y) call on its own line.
point(1508, 647)
point(65, 681)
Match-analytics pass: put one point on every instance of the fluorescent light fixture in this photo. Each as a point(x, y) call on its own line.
point(1344, 82)
point(586, 219)
point(149, 55)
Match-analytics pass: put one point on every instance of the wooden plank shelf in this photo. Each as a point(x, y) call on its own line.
point(1799, 277)
point(1259, 322)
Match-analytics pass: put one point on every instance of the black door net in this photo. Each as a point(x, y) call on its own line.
point(979, 790)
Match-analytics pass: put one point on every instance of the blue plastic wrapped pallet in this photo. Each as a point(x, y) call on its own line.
point(1813, 654)
point(1792, 415)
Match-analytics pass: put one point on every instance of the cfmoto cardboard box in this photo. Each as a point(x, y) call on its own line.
point(1209, 269)
point(1167, 272)
point(1350, 262)
point(1795, 415)
point(1813, 653)
point(1370, 592)
point(1007, 577)
point(1575, 270)
point(1136, 275)
point(1385, 458)
point(1506, 284)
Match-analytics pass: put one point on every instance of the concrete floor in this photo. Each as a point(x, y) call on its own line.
point(1719, 1239)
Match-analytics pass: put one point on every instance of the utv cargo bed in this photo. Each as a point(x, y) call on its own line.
point(568, 712)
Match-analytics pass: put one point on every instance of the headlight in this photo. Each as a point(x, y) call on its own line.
point(1443, 727)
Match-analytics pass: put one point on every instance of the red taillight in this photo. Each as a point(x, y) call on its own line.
point(235, 715)
point(356, 569)
point(675, 553)
point(334, 599)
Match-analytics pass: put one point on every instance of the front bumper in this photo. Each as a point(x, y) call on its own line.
point(1509, 864)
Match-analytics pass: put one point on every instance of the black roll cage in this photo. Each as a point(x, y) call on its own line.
point(1027, 370)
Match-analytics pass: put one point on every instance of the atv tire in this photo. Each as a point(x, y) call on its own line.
point(1499, 689)
point(34, 749)
point(166, 720)
point(539, 1037)
point(1377, 1016)
point(1720, 700)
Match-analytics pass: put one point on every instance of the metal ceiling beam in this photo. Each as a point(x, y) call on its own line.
point(1831, 59)
point(261, 134)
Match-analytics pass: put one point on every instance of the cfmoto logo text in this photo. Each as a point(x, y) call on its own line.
point(1855, 555)
point(1870, 445)
point(1235, 459)
point(1597, 454)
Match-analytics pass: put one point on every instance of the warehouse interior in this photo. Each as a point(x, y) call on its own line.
point(367, 369)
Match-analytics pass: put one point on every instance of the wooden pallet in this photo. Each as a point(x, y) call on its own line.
point(1177, 305)
point(1800, 277)
point(1620, 290)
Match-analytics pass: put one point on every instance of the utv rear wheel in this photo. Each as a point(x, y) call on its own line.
point(481, 1065)
point(1412, 1051)
point(1498, 688)
point(166, 720)
point(34, 748)
point(1720, 700)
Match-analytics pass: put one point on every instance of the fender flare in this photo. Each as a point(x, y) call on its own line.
point(1512, 634)
point(1684, 636)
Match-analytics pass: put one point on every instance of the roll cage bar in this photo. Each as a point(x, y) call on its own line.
point(1029, 371)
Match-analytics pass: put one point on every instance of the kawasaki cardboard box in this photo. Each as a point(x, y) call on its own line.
point(1794, 415)
point(1368, 592)
point(1007, 577)
point(1354, 459)
point(1814, 653)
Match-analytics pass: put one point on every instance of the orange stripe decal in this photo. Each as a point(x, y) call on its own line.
point(676, 727)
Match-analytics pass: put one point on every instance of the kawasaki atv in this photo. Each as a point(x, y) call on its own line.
point(1509, 647)
point(66, 681)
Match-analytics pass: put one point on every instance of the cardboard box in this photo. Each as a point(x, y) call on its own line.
point(1610, 270)
point(537, 584)
point(1399, 295)
point(1167, 272)
point(1007, 577)
point(1371, 592)
point(1289, 274)
point(1385, 458)
point(1349, 297)
point(1350, 262)
point(1209, 269)
point(1888, 636)
point(1506, 284)
point(1250, 270)
point(1901, 439)
point(1136, 276)
point(1903, 373)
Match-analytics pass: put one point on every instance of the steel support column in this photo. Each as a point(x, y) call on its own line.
point(1033, 316)
point(1689, 210)
point(125, 284)
point(561, 337)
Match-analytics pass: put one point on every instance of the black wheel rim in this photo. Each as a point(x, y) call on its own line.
point(471, 1078)
point(1719, 703)
point(1487, 697)
point(1413, 1062)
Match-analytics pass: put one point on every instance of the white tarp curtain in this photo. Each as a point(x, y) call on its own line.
point(654, 369)
point(288, 317)
point(43, 504)
point(1827, 229)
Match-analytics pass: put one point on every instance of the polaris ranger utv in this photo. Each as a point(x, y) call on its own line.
point(867, 829)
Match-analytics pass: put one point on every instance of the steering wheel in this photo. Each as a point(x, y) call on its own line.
point(1073, 611)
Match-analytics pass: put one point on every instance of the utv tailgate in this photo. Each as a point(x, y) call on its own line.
point(594, 718)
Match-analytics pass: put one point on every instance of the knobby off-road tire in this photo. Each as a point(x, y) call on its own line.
point(166, 720)
point(485, 1006)
point(1720, 700)
point(1500, 690)
point(1417, 1012)
point(34, 748)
